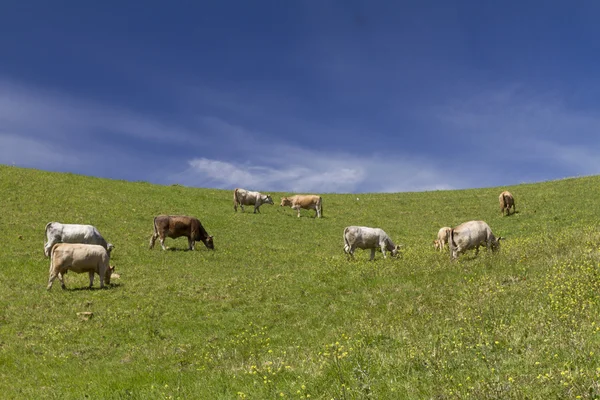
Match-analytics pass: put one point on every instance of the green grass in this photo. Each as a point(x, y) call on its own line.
point(278, 311)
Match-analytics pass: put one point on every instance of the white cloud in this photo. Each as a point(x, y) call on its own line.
point(302, 170)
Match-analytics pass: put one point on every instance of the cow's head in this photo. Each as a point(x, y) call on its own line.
point(209, 243)
point(496, 243)
point(109, 248)
point(396, 250)
point(285, 202)
point(437, 244)
point(108, 274)
point(266, 198)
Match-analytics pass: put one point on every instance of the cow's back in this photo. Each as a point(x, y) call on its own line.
point(362, 236)
point(241, 195)
point(306, 201)
point(79, 257)
point(470, 234)
point(174, 226)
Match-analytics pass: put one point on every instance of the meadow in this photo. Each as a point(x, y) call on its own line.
point(278, 310)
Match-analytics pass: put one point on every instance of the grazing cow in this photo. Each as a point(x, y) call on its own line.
point(363, 237)
point(507, 201)
point(442, 238)
point(175, 226)
point(80, 258)
point(243, 197)
point(73, 233)
point(307, 201)
point(471, 235)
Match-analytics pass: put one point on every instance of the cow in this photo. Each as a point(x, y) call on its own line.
point(175, 226)
point(243, 197)
point(306, 201)
point(80, 258)
point(507, 201)
point(363, 237)
point(442, 238)
point(73, 233)
point(471, 235)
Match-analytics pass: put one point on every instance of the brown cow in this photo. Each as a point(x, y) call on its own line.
point(175, 226)
point(507, 201)
point(306, 201)
point(77, 257)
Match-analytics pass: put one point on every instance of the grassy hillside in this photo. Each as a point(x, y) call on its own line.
point(278, 311)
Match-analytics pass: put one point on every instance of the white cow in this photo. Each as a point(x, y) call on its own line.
point(363, 237)
point(471, 235)
point(442, 238)
point(243, 197)
point(73, 233)
point(90, 258)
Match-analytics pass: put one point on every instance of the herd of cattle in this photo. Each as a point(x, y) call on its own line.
point(81, 248)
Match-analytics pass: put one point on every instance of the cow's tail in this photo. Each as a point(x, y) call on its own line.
point(321, 206)
point(451, 242)
point(507, 203)
point(235, 200)
point(46, 233)
point(503, 202)
point(346, 243)
point(46, 228)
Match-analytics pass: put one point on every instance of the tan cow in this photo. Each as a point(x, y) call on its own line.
point(471, 235)
point(507, 201)
point(442, 238)
point(305, 201)
point(80, 258)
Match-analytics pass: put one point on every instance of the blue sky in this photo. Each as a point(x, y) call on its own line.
point(304, 96)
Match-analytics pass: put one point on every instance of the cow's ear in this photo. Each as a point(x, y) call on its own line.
point(112, 268)
point(501, 238)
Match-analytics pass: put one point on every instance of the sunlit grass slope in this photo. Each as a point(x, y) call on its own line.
point(278, 311)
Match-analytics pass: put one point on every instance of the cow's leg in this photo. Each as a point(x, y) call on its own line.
point(298, 209)
point(91, 274)
point(372, 254)
point(153, 239)
point(256, 208)
point(101, 275)
point(61, 278)
point(242, 207)
point(453, 255)
point(162, 243)
point(383, 247)
point(349, 250)
point(190, 244)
